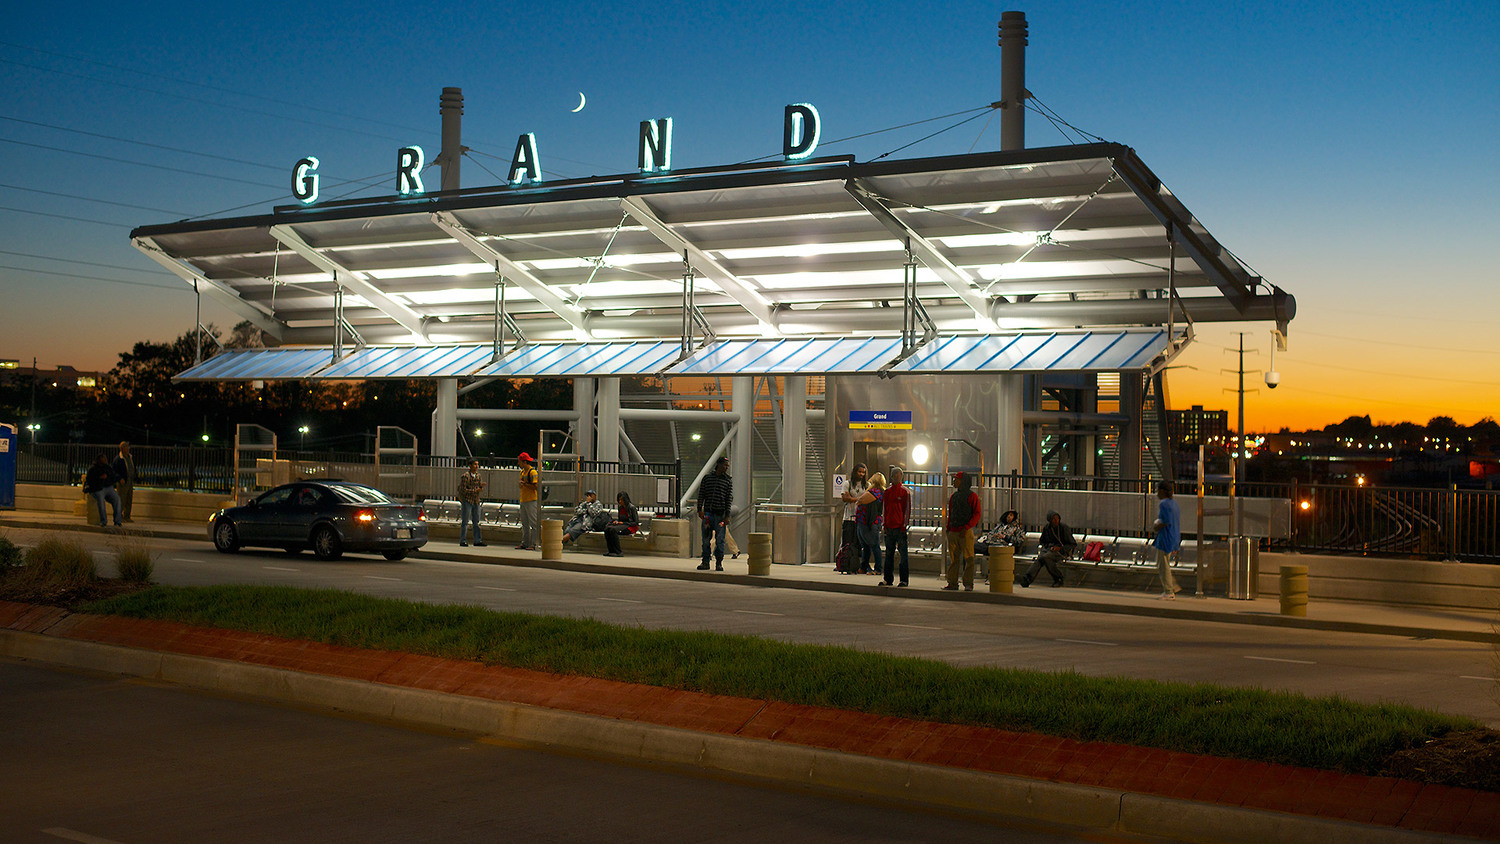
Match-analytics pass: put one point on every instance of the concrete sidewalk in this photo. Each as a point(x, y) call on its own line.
point(1321, 615)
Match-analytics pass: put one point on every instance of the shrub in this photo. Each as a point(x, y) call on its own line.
point(60, 562)
point(135, 560)
point(10, 555)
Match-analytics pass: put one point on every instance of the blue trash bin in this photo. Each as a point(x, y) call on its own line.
point(9, 451)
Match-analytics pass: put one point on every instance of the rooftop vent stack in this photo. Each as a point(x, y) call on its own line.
point(1012, 80)
point(451, 105)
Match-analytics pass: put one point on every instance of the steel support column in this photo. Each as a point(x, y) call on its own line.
point(742, 397)
point(794, 440)
point(583, 405)
point(445, 419)
point(609, 419)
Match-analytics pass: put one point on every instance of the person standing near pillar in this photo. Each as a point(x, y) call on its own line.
point(859, 484)
point(715, 499)
point(1168, 538)
point(531, 508)
point(470, 490)
point(124, 468)
point(963, 515)
point(897, 513)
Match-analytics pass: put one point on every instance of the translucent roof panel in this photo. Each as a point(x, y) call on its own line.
point(813, 356)
point(1072, 351)
point(566, 360)
point(259, 365)
point(411, 362)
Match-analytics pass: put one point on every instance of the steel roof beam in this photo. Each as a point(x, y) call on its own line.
point(951, 274)
point(539, 290)
point(401, 313)
point(748, 297)
point(258, 316)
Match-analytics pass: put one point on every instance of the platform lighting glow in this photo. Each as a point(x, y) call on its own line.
point(919, 455)
point(1306, 505)
point(697, 437)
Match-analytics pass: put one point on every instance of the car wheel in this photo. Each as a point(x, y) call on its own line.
point(226, 538)
point(326, 544)
point(395, 555)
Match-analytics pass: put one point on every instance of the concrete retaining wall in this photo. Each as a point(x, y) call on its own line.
point(1395, 583)
point(167, 505)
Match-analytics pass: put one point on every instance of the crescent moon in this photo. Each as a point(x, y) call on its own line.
point(581, 102)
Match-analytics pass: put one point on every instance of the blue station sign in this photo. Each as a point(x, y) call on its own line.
point(890, 419)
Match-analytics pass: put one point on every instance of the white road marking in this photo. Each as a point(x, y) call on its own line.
point(495, 588)
point(1275, 659)
point(1472, 677)
point(622, 600)
point(183, 560)
point(279, 568)
point(78, 836)
point(378, 577)
point(912, 626)
point(1089, 642)
point(757, 612)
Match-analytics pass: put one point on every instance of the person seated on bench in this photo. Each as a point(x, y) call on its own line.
point(626, 521)
point(588, 515)
point(1056, 544)
point(1010, 532)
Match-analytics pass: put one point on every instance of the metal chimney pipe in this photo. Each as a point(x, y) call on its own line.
point(451, 106)
point(1013, 80)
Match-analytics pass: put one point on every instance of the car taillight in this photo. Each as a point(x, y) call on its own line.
point(365, 516)
point(421, 515)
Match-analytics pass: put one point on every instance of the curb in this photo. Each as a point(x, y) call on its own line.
point(848, 774)
point(1150, 610)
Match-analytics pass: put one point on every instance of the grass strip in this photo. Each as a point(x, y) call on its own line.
point(1329, 733)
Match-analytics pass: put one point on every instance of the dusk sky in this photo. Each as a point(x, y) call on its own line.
point(1343, 150)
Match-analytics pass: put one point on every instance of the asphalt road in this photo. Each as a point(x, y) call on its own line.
point(102, 760)
point(1449, 676)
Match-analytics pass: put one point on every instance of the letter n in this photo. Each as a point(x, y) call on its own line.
point(656, 145)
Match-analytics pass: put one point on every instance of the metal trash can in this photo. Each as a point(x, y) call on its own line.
point(9, 455)
point(1244, 562)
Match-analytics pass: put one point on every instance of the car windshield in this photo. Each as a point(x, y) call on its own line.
point(359, 494)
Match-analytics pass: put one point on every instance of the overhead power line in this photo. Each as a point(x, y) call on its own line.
point(96, 278)
point(90, 199)
point(144, 143)
point(136, 163)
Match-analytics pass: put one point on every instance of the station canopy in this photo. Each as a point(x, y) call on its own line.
point(1065, 259)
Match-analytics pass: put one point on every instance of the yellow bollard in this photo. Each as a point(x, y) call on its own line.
point(1294, 590)
point(1002, 568)
point(760, 554)
point(552, 534)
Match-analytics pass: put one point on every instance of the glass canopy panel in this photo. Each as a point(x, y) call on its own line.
point(259, 365)
point(1073, 351)
point(568, 360)
point(809, 356)
point(410, 362)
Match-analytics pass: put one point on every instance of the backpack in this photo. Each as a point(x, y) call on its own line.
point(847, 559)
point(1093, 552)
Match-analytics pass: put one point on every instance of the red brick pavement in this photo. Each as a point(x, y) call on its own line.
point(1374, 800)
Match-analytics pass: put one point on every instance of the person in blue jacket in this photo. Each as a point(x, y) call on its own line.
point(1168, 530)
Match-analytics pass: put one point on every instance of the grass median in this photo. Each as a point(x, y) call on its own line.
point(1330, 733)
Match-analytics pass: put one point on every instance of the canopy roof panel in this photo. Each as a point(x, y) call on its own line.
point(568, 360)
point(259, 365)
point(409, 362)
point(1053, 238)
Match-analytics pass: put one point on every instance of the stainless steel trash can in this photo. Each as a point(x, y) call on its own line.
point(1243, 564)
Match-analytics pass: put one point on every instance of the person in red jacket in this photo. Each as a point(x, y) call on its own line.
point(897, 513)
point(963, 515)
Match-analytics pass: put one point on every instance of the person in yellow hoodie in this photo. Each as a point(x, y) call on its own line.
point(531, 509)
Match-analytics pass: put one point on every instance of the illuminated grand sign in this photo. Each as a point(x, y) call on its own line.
point(799, 139)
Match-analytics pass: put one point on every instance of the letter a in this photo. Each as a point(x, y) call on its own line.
point(525, 165)
point(799, 135)
point(656, 145)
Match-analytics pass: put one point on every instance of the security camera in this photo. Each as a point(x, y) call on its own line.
point(1273, 379)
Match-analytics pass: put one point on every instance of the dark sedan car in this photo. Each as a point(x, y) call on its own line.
point(330, 517)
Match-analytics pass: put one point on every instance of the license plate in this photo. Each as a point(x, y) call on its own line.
point(403, 533)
